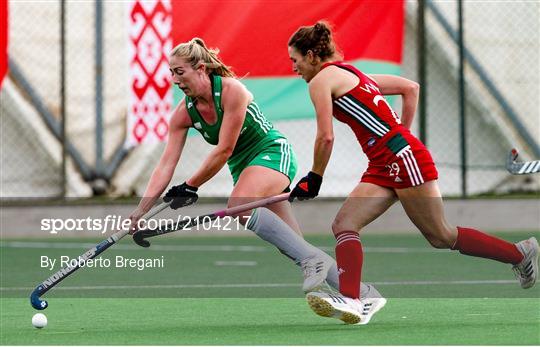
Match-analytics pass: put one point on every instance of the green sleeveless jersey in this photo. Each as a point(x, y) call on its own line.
point(256, 131)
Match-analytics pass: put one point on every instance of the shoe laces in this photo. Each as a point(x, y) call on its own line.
point(311, 267)
point(517, 272)
point(524, 269)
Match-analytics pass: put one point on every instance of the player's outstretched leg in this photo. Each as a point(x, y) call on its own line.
point(314, 262)
point(527, 270)
point(523, 256)
point(424, 207)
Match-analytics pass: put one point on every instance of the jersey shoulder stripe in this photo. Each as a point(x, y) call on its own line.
point(354, 108)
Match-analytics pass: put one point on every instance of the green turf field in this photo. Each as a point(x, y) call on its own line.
point(240, 291)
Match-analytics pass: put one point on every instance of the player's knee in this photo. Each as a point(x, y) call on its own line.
point(339, 225)
point(437, 243)
point(441, 240)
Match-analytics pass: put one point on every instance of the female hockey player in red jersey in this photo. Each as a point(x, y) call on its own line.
point(400, 167)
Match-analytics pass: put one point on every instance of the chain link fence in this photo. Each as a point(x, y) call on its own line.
point(501, 37)
point(501, 71)
point(31, 157)
point(34, 78)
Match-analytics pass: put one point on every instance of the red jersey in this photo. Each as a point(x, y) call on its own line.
point(364, 109)
point(397, 159)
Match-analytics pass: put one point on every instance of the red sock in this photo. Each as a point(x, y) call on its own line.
point(349, 258)
point(478, 244)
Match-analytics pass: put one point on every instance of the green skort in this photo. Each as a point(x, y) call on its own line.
point(275, 153)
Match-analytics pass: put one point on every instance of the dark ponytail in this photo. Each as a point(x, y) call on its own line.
point(316, 38)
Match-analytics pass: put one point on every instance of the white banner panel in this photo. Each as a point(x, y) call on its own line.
point(150, 41)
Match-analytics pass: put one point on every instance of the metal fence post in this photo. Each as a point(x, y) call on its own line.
point(422, 71)
point(99, 88)
point(63, 94)
point(462, 111)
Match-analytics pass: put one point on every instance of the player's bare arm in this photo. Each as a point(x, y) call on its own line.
point(235, 99)
point(320, 92)
point(409, 91)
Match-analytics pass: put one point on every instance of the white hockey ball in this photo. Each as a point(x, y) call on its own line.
point(39, 320)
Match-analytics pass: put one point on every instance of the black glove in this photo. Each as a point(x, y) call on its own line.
point(182, 195)
point(307, 188)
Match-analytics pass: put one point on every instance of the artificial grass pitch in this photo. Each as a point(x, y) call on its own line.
point(235, 321)
point(242, 291)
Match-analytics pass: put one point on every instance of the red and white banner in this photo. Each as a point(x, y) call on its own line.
point(3, 39)
point(150, 41)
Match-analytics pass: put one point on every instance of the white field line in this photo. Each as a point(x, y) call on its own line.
point(235, 263)
point(171, 248)
point(259, 285)
point(197, 248)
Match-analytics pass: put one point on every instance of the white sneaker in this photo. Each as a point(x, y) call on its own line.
point(315, 270)
point(334, 305)
point(370, 307)
point(527, 270)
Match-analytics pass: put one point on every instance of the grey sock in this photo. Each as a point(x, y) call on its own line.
point(269, 227)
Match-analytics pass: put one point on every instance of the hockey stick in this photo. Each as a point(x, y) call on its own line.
point(521, 168)
point(140, 236)
point(53, 280)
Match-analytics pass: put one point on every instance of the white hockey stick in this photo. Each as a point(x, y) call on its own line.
point(521, 168)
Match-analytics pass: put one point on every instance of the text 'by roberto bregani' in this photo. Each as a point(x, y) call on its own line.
point(101, 262)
